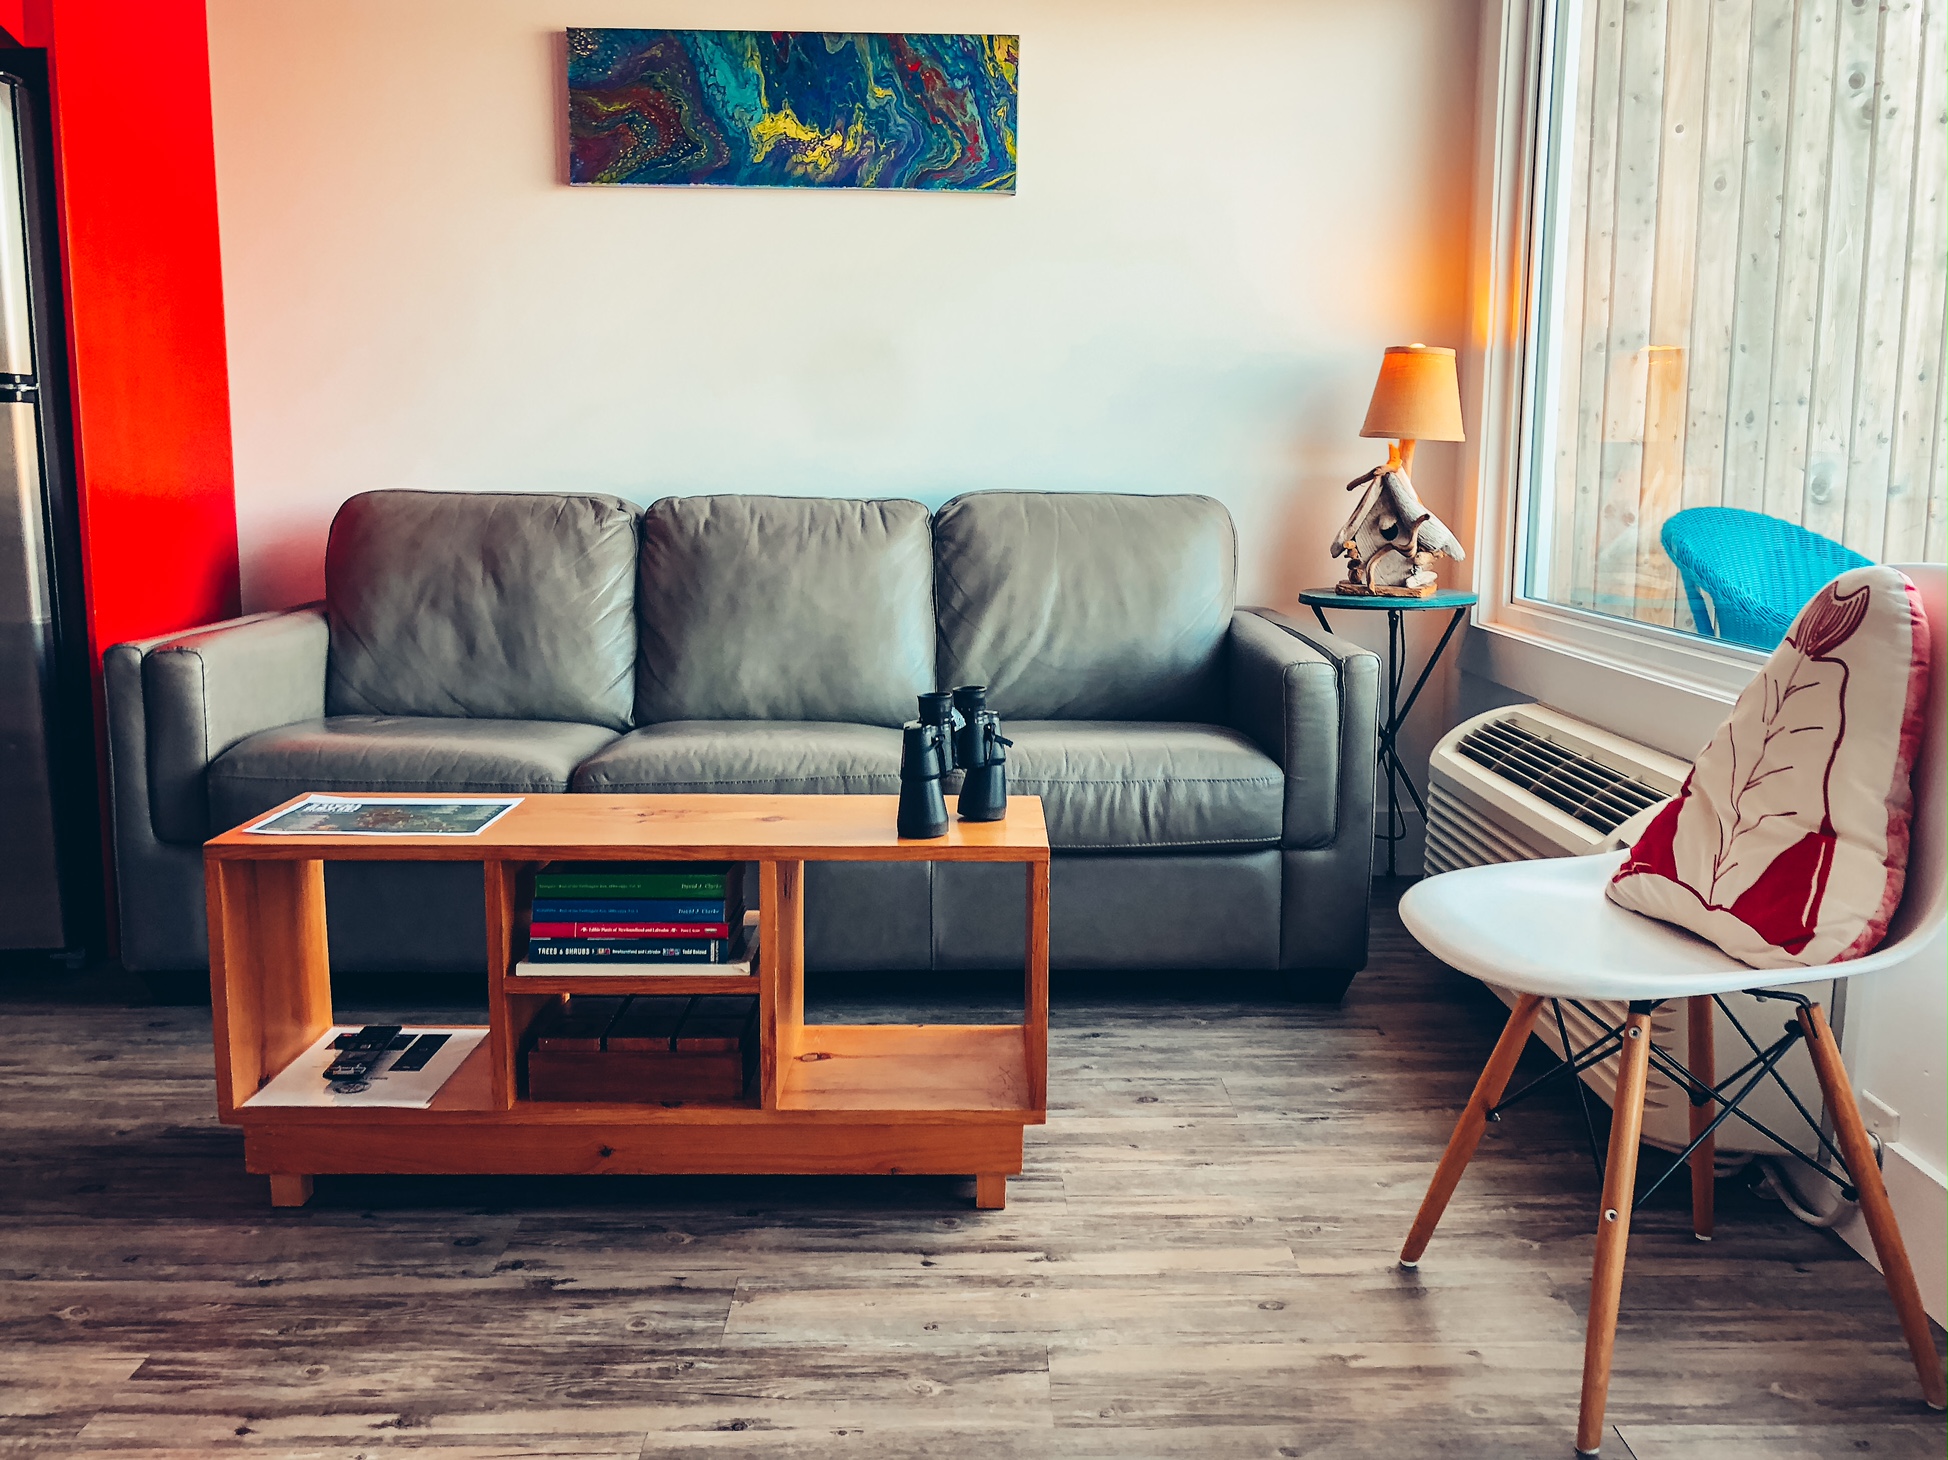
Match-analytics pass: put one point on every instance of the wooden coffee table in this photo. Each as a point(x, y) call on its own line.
point(830, 1098)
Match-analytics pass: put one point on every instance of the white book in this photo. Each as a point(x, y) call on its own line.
point(302, 1082)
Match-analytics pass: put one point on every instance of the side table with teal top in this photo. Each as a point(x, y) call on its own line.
point(1396, 609)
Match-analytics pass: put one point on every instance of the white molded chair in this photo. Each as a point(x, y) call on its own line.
point(1547, 931)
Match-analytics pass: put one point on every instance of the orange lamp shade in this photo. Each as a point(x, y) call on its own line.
point(1418, 396)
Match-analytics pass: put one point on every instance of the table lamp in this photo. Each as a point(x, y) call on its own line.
point(1390, 540)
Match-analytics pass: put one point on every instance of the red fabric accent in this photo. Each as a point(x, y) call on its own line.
point(1900, 801)
point(1782, 907)
point(1653, 853)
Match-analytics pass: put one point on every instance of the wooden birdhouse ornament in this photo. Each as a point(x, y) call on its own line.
point(1390, 541)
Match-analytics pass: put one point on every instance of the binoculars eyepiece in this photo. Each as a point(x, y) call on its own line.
point(956, 730)
point(937, 708)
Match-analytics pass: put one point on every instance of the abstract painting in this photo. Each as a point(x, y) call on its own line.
point(738, 108)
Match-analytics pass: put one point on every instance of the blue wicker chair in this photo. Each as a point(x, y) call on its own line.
point(1747, 574)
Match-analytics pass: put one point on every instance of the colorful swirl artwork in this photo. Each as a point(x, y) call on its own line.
point(737, 108)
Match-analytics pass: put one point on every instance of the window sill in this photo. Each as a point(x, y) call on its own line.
point(1669, 696)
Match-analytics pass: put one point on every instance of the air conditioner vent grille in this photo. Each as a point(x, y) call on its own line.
point(1573, 783)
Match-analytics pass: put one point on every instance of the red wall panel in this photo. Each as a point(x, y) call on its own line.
point(135, 175)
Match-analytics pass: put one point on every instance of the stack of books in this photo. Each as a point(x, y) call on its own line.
point(616, 917)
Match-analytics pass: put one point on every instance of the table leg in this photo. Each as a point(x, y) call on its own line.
point(290, 1191)
point(1453, 623)
point(1390, 763)
point(1397, 713)
point(990, 1192)
point(1396, 658)
point(1034, 1018)
point(509, 1016)
point(781, 973)
point(270, 970)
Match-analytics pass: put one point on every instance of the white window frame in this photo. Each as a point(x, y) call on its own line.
point(1520, 70)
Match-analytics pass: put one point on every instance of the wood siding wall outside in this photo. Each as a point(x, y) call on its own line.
point(1751, 263)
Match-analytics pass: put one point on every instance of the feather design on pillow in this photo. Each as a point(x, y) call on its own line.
point(1783, 800)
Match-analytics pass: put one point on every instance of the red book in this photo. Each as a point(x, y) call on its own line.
point(629, 930)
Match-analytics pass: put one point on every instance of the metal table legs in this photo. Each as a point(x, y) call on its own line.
point(1397, 712)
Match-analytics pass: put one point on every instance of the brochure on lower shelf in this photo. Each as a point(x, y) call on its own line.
point(303, 1083)
point(745, 963)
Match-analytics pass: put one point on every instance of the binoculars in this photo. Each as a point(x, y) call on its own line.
point(956, 731)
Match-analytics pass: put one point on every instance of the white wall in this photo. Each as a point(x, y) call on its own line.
point(1895, 1039)
point(1227, 208)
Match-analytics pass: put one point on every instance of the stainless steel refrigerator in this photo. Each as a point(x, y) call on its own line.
point(50, 871)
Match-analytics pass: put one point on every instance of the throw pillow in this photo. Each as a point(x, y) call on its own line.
point(1787, 845)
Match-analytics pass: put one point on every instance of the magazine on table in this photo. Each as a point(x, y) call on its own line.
point(321, 815)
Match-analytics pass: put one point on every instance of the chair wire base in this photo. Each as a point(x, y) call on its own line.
point(1763, 1064)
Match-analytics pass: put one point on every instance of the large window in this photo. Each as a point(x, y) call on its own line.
point(1739, 280)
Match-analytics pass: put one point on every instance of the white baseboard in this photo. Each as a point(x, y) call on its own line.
point(1920, 1197)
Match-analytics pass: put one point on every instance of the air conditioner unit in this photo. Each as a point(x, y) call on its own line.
point(1530, 782)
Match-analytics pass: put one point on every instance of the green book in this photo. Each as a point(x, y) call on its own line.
point(637, 879)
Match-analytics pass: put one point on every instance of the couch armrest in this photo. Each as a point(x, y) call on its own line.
point(203, 691)
point(1310, 701)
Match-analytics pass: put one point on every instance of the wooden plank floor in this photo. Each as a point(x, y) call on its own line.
point(1198, 1261)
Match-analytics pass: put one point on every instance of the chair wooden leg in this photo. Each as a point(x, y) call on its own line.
point(1613, 1231)
point(1467, 1131)
point(1851, 1132)
point(1702, 1039)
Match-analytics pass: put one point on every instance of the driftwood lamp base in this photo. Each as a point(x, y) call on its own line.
point(1362, 590)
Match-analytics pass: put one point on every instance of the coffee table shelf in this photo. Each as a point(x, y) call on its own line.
point(829, 1099)
point(612, 983)
point(909, 1067)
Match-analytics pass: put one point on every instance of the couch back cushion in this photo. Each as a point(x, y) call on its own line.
point(784, 608)
point(489, 605)
point(1086, 606)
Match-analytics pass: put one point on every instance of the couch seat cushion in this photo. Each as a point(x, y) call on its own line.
point(1119, 785)
point(748, 757)
point(394, 753)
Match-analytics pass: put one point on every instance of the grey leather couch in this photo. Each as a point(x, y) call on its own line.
point(1207, 771)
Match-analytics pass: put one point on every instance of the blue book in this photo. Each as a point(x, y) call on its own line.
point(628, 910)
